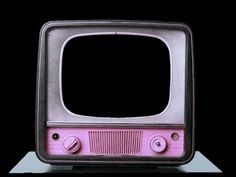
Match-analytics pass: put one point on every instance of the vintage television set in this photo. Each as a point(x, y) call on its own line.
point(115, 92)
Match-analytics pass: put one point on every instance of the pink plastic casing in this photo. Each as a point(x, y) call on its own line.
point(152, 142)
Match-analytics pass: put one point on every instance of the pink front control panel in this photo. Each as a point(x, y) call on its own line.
point(116, 142)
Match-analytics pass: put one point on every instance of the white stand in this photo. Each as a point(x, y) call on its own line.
point(31, 164)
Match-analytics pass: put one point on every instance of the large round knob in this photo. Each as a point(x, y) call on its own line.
point(71, 144)
point(158, 144)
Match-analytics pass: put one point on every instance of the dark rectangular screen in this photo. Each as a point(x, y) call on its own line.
point(115, 75)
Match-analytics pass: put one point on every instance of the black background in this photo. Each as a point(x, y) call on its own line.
point(210, 23)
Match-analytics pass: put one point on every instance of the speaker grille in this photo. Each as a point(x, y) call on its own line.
point(115, 142)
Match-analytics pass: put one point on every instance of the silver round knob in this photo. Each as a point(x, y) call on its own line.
point(71, 144)
point(158, 144)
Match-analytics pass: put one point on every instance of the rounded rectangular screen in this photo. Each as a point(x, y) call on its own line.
point(115, 75)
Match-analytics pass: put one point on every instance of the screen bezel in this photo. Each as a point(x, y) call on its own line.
point(57, 36)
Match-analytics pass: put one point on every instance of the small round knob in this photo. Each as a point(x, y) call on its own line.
point(71, 144)
point(158, 144)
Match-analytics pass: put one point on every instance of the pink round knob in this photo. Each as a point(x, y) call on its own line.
point(158, 144)
point(71, 144)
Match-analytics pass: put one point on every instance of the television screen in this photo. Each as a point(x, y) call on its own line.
point(116, 76)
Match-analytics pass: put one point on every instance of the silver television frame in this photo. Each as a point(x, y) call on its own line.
point(51, 111)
